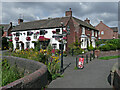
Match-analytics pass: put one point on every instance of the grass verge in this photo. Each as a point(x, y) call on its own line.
point(109, 57)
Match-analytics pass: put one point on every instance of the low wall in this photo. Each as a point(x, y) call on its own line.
point(37, 78)
point(109, 53)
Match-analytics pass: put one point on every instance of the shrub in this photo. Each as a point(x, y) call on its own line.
point(104, 47)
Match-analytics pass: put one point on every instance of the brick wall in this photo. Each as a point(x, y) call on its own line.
point(108, 32)
point(37, 78)
point(71, 37)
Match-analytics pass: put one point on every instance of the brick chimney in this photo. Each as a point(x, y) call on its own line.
point(20, 21)
point(68, 13)
point(87, 21)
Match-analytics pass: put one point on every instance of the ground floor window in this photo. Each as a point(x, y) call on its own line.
point(54, 46)
point(17, 45)
point(27, 44)
point(60, 46)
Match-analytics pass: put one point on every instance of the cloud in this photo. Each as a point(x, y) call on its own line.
point(95, 11)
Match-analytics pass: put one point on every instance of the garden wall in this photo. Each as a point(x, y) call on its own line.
point(109, 53)
point(37, 77)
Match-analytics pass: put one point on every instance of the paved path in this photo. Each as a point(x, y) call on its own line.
point(94, 75)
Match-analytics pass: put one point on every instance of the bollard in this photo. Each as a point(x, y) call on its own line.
point(76, 61)
point(86, 58)
point(93, 54)
point(90, 56)
point(72, 52)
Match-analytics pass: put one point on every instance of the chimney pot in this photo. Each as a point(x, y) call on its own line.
point(20, 21)
point(68, 13)
point(87, 20)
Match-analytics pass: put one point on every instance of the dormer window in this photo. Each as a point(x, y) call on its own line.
point(83, 30)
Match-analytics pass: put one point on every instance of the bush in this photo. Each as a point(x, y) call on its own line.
point(76, 48)
point(113, 44)
point(104, 48)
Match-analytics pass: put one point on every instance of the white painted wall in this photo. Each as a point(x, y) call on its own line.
point(22, 37)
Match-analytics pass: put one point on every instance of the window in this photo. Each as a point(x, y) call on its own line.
point(35, 36)
point(102, 32)
point(27, 44)
point(83, 30)
point(54, 45)
point(60, 46)
point(29, 33)
point(57, 31)
point(92, 32)
point(42, 32)
point(96, 33)
point(17, 34)
point(17, 45)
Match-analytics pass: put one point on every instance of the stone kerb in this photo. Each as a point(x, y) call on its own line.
point(37, 77)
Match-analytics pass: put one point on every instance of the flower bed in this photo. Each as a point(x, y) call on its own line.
point(45, 56)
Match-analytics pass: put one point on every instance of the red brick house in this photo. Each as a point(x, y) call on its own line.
point(81, 30)
point(6, 28)
point(105, 32)
point(115, 32)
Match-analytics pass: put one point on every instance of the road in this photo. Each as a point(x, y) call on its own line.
point(94, 74)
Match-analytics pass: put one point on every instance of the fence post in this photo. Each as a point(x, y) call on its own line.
point(90, 56)
point(86, 58)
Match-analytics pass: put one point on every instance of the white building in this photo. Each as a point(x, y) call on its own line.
point(24, 34)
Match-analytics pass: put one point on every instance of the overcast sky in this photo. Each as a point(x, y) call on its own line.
point(95, 11)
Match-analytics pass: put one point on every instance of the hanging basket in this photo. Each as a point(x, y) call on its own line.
point(16, 38)
point(10, 34)
point(53, 32)
point(28, 38)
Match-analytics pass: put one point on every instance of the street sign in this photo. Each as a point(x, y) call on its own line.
point(68, 30)
point(80, 63)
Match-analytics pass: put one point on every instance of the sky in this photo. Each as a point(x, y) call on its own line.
point(29, 11)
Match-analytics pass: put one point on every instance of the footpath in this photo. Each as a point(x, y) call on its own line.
point(94, 74)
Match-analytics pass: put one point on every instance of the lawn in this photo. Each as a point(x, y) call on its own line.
point(109, 57)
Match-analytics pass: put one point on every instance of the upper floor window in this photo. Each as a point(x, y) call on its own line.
point(102, 32)
point(29, 33)
point(35, 36)
point(92, 32)
point(17, 34)
point(83, 30)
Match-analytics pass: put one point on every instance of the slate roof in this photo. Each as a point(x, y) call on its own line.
point(5, 26)
point(83, 23)
point(49, 23)
point(42, 24)
point(115, 29)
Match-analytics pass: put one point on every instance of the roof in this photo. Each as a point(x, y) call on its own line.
point(115, 29)
point(5, 26)
point(83, 23)
point(42, 24)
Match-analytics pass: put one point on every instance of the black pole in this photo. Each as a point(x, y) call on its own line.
point(90, 56)
point(62, 52)
point(86, 58)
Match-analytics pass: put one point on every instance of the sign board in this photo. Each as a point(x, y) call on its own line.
point(80, 63)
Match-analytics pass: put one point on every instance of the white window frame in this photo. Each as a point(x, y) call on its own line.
point(92, 32)
point(83, 30)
